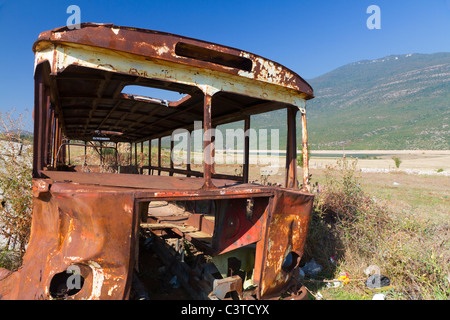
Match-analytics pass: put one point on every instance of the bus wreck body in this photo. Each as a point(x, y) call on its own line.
point(91, 222)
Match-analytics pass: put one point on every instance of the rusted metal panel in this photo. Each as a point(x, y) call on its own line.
point(286, 230)
point(163, 46)
point(236, 226)
point(93, 228)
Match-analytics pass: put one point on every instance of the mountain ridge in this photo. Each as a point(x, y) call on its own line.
point(394, 102)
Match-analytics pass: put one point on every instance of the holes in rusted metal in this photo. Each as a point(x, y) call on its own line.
point(290, 261)
point(153, 95)
point(208, 55)
point(66, 283)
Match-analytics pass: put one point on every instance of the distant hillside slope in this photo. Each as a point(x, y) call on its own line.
point(396, 102)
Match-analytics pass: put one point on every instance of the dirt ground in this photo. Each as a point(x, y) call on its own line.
point(419, 161)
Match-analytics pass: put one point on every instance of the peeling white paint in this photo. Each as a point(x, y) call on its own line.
point(110, 291)
point(162, 50)
point(128, 208)
point(209, 81)
point(246, 74)
point(73, 259)
point(97, 281)
point(207, 89)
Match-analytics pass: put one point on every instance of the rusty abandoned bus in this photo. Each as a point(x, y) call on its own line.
point(93, 221)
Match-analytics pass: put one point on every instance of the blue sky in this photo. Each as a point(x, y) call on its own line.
point(309, 37)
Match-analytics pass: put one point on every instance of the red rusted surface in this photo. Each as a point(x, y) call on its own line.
point(285, 233)
point(91, 227)
point(236, 228)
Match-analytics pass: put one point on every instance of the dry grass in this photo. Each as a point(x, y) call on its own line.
point(16, 191)
point(363, 231)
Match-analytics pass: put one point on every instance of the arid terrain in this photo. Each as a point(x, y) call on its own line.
point(420, 185)
point(412, 161)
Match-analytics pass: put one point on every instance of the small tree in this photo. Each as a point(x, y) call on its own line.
point(397, 161)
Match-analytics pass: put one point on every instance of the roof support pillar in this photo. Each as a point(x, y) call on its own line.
point(39, 124)
point(246, 148)
point(188, 154)
point(291, 152)
point(208, 145)
point(159, 155)
point(306, 184)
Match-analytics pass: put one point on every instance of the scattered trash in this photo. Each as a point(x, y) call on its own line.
point(174, 282)
point(319, 296)
point(311, 268)
point(344, 278)
point(377, 281)
point(339, 282)
point(379, 296)
point(301, 273)
point(370, 269)
point(335, 284)
point(396, 183)
point(333, 258)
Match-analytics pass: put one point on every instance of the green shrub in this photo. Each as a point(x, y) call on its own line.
point(397, 161)
point(361, 231)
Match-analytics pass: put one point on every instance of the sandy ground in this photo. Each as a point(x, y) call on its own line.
point(422, 162)
point(412, 161)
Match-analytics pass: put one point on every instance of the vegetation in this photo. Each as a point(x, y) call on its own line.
point(397, 161)
point(15, 191)
point(361, 232)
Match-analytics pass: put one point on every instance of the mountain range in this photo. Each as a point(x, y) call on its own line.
point(397, 102)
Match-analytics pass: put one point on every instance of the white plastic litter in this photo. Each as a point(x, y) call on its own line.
point(379, 296)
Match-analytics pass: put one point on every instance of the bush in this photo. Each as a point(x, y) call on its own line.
point(361, 231)
point(15, 185)
point(397, 161)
